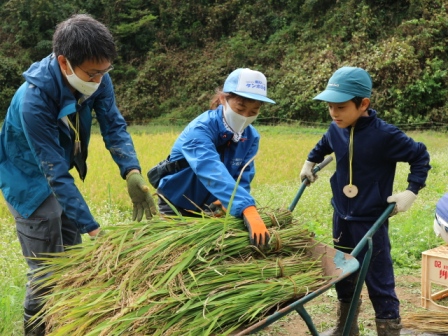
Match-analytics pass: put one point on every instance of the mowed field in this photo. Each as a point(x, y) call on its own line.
point(283, 150)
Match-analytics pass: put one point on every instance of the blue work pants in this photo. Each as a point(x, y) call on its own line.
point(380, 279)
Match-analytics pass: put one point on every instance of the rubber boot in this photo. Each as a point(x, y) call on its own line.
point(388, 327)
point(32, 328)
point(342, 313)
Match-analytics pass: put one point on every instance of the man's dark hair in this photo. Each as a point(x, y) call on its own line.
point(81, 38)
point(358, 101)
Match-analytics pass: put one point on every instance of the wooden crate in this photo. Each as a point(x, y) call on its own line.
point(435, 278)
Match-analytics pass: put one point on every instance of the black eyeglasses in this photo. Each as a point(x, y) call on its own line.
point(98, 73)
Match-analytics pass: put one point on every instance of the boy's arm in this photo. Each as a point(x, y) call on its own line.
point(416, 154)
point(321, 150)
point(404, 149)
point(419, 168)
point(316, 155)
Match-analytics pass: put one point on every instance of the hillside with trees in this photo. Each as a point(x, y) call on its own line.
point(174, 53)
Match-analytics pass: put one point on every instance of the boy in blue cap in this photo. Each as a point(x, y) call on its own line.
point(213, 150)
point(367, 150)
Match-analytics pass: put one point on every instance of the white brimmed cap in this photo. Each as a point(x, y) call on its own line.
point(249, 84)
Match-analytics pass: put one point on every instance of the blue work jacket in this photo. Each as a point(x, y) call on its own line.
point(36, 143)
point(215, 162)
point(377, 147)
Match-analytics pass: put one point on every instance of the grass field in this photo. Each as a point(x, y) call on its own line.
point(283, 150)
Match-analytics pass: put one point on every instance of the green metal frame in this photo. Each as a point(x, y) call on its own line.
point(367, 239)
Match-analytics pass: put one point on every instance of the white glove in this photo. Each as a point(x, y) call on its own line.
point(403, 201)
point(307, 172)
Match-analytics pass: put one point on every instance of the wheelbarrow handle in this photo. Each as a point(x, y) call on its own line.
point(373, 229)
point(302, 187)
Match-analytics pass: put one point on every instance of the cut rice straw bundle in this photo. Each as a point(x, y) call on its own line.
point(427, 321)
point(177, 277)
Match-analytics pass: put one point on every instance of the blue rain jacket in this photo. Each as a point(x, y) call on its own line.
point(211, 174)
point(442, 207)
point(377, 147)
point(36, 144)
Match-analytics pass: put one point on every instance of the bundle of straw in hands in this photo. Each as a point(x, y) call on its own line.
point(195, 276)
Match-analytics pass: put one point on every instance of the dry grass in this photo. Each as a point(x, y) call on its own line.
point(428, 321)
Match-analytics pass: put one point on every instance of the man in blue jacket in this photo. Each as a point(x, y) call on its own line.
point(367, 151)
point(46, 133)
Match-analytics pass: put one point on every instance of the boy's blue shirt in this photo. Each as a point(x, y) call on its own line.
point(377, 148)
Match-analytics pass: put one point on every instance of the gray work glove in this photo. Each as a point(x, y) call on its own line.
point(307, 172)
point(403, 201)
point(141, 198)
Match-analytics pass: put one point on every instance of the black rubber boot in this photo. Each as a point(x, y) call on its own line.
point(32, 328)
point(388, 327)
point(342, 313)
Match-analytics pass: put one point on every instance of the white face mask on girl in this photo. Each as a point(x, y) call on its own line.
point(236, 121)
point(86, 88)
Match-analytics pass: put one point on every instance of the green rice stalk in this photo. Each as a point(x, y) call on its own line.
point(165, 274)
point(230, 285)
point(276, 218)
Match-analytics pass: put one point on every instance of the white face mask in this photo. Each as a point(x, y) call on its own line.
point(236, 121)
point(86, 88)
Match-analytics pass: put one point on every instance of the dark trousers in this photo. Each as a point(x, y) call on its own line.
point(47, 230)
point(167, 210)
point(380, 279)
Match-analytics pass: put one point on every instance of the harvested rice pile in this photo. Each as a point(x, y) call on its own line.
point(427, 321)
point(190, 276)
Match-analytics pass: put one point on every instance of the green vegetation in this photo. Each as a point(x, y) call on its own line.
point(173, 54)
point(283, 150)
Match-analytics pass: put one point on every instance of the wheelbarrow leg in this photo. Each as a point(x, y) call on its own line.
point(365, 264)
point(307, 318)
point(358, 288)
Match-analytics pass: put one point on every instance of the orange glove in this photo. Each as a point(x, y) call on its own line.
point(218, 210)
point(258, 233)
point(219, 204)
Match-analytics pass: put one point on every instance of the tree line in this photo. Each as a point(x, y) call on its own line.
point(173, 54)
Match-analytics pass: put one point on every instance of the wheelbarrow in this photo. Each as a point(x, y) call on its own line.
point(336, 265)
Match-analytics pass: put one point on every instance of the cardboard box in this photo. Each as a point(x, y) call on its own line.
point(435, 278)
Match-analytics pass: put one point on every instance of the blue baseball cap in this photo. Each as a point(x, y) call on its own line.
point(249, 84)
point(345, 84)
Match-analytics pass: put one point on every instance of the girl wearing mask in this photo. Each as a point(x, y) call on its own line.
point(211, 152)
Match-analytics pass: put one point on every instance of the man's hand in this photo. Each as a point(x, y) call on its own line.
point(403, 201)
point(94, 233)
point(258, 233)
point(97, 233)
point(307, 172)
point(140, 196)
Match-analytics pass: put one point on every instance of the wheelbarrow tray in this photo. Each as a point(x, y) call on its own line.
point(335, 264)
